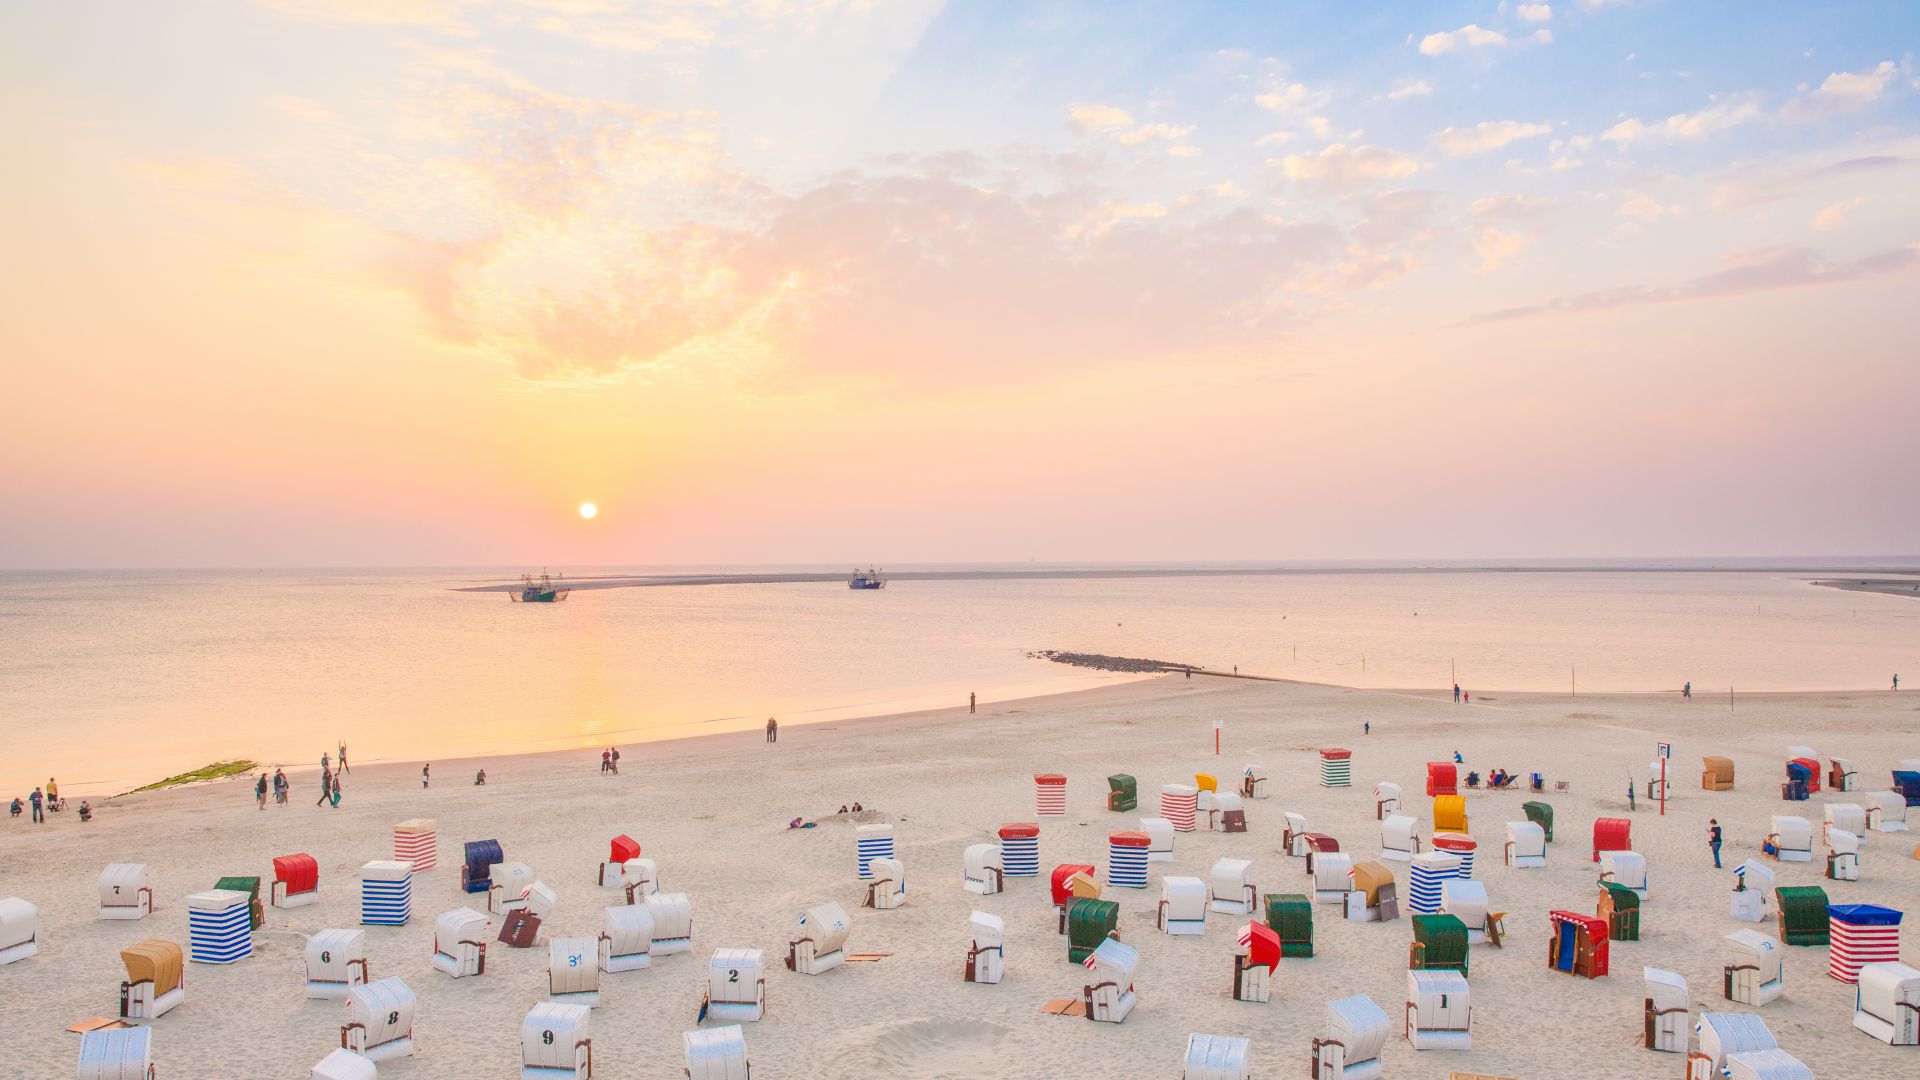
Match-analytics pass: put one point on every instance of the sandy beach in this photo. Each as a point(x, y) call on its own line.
point(713, 812)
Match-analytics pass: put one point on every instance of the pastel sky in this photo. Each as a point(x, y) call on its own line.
point(399, 282)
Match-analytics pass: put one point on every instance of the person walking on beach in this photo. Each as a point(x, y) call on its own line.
point(972, 702)
point(260, 791)
point(773, 730)
point(606, 762)
point(1686, 692)
point(326, 787)
point(1366, 727)
point(326, 762)
point(1896, 680)
point(616, 761)
point(280, 786)
point(1713, 840)
point(1456, 693)
point(34, 800)
point(333, 800)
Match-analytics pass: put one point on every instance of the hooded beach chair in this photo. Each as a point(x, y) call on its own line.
point(1439, 944)
point(1577, 945)
point(1775, 1064)
point(296, 881)
point(1907, 782)
point(1229, 813)
point(1752, 884)
point(1293, 838)
point(1336, 767)
point(820, 946)
point(1373, 896)
point(1716, 773)
point(156, 979)
point(379, 1023)
point(1109, 996)
point(1253, 785)
point(1466, 900)
point(639, 878)
point(1399, 837)
point(987, 954)
point(622, 850)
point(1332, 877)
point(511, 882)
point(1061, 888)
point(1627, 869)
point(460, 942)
point(1611, 834)
point(573, 971)
point(1801, 776)
point(1216, 1057)
point(1665, 1012)
point(341, 1064)
point(1461, 846)
point(1540, 814)
point(1619, 907)
point(981, 871)
point(556, 1042)
point(124, 892)
point(1849, 816)
point(1757, 973)
point(717, 1054)
point(336, 963)
point(1180, 805)
point(117, 1054)
point(1123, 793)
point(1090, 922)
point(888, 888)
point(1722, 1034)
point(386, 893)
point(1442, 778)
point(19, 930)
point(476, 868)
point(1886, 811)
point(256, 916)
point(1843, 775)
point(1049, 794)
point(416, 843)
point(1317, 845)
point(736, 986)
point(1803, 914)
point(1843, 855)
point(219, 926)
point(1020, 849)
point(1424, 878)
point(1439, 1011)
point(1183, 906)
point(1351, 1036)
point(626, 938)
point(1290, 917)
point(1450, 813)
point(1789, 839)
point(871, 842)
point(1253, 965)
point(1127, 856)
point(1526, 847)
point(1386, 799)
point(1862, 934)
point(672, 924)
point(1230, 887)
point(1886, 1003)
point(1654, 768)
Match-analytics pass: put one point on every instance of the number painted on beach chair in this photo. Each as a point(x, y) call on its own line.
point(547, 1037)
point(326, 957)
point(733, 975)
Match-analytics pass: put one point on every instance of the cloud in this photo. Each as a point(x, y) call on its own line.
point(1183, 150)
point(1321, 127)
point(1643, 207)
point(1090, 118)
point(1149, 132)
point(1842, 91)
point(1469, 36)
point(1534, 12)
point(1291, 97)
point(1769, 269)
point(1496, 246)
point(1406, 90)
point(1340, 165)
point(1835, 216)
point(1513, 207)
point(1754, 188)
point(1694, 125)
point(1276, 138)
point(1485, 136)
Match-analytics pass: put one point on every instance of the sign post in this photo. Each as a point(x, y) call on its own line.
point(1218, 723)
point(1666, 751)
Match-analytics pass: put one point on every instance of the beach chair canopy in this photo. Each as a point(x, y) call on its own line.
point(1842, 842)
point(988, 929)
point(623, 848)
point(113, 1053)
point(1231, 877)
point(978, 859)
point(1611, 834)
point(1332, 871)
point(828, 925)
point(1667, 989)
point(1775, 1064)
point(572, 965)
point(1397, 832)
point(628, 928)
point(1368, 877)
point(1115, 960)
point(734, 975)
point(1884, 986)
point(299, 873)
point(1386, 789)
point(672, 916)
point(1754, 874)
point(1442, 778)
point(1122, 789)
point(1062, 895)
point(1466, 900)
point(1227, 801)
point(384, 1007)
point(155, 961)
point(1794, 832)
point(1527, 838)
point(1540, 814)
point(1216, 1057)
point(1260, 945)
point(462, 924)
point(1803, 914)
point(1849, 816)
point(1450, 813)
point(1357, 1024)
point(1444, 941)
point(1759, 950)
point(1321, 842)
point(1732, 1033)
point(19, 922)
point(481, 855)
point(716, 1053)
point(1205, 782)
point(120, 883)
point(551, 1035)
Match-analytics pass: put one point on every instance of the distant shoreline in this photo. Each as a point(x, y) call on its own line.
point(1907, 587)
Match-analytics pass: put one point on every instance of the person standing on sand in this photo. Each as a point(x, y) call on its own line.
point(773, 730)
point(426, 775)
point(1456, 693)
point(280, 786)
point(1896, 680)
point(1713, 840)
point(343, 758)
point(326, 763)
point(616, 761)
point(606, 762)
point(1686, 692)
point(39, 814)
point(260, 791)
point(1366, 727)
point(972, 702)
point(53, 793)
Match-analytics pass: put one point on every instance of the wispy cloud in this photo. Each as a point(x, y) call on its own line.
point(1470, 36)
point(1642, 208)
point(1535, 13)
point(1681, 126)
point(1842, 91)
point(1093, 117)
point(1833, 217)
point(1485, 136)
point(1416, 88)
point(1753, 187)
point(1340, 165)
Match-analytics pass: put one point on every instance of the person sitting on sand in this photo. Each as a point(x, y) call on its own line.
point(1457, 759)
point(86, 811)
point(800, 823)
point(856, 808)
point(480, 778)
point(17, 807)
point(1473, 779)
point(843, 808)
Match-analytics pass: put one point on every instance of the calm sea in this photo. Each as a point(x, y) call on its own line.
point(108, 680)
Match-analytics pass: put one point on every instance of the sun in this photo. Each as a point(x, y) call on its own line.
point(588, 511)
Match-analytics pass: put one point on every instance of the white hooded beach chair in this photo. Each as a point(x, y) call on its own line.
point(626, 938)
point(1886, 811)
point(1653, 780)
point(1216, 1057)
point(1399, 837)
point(1722, 1034)
point(640, 878)
point(460, 942)
point(717, 1054)
point(1350, 1040)
point(1775, 1064)
point(672, 923)
point(1293, 839)
point(1231, 887)
point(1228, 813)
point(125, 894)
point(986, 957)
point(1526, 845)
point(556, 1042)
point(1845, 776)
point(888, 887)
point(509, 889)
point(621, 850)
point(1851, 817)
point(344, 1065)
point(1332, 877)
point(1386, 799)
point(1843, 855)
point(19, 930)
point(1466, 899)
point(980, 865)
point(336, 962)
point(1752, 884)
point(1790, 838)
point(116, 1054)
point(1886, 1003)
point(156, 979)
point(1183, 906)
point(1439, 1011)
point(1627, 869)
point(573, 971)
point(1666, 1024)
point(823, 937)
point(1109, 997)
point(539, 899)
point(736, 985)
point(1757, 974)
point(1159, 838)
point(379, 1023)
point(1253, 782)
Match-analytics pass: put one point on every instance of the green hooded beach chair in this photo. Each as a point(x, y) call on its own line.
point(250, 886)
point(1290, 915)
point(1803, 914)
point(1123, 793)
point(1620, 906)
point(1090, 922)
point(1542, 815)
point(1439, 944)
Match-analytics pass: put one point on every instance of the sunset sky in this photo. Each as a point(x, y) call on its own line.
point(403, 282)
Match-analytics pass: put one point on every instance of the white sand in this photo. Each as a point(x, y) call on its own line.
point(713, 811)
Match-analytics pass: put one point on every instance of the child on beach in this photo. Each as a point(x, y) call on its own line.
point(426, 775)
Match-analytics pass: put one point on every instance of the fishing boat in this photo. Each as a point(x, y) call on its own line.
point(866, 579)
point(543, 591)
